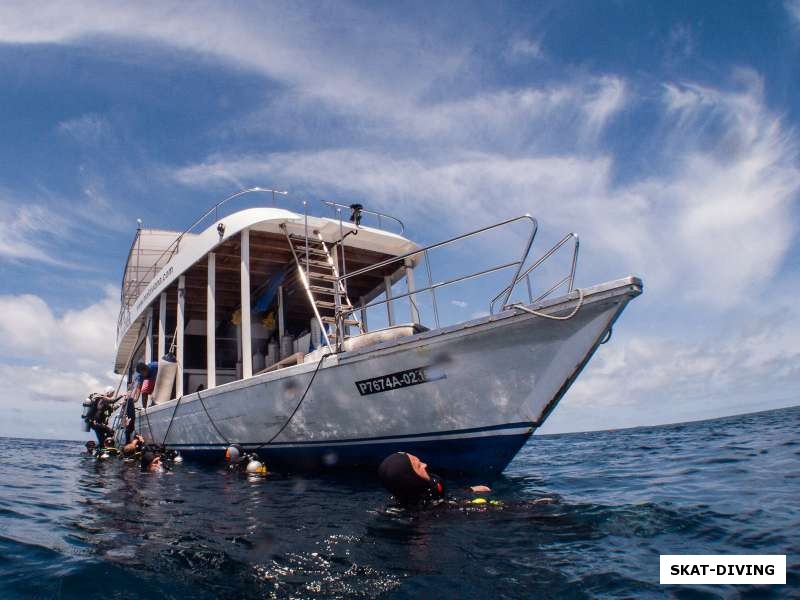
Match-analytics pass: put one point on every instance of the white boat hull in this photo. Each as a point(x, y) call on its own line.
point(464, 398)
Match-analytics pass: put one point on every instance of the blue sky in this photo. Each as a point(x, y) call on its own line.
point(666, 134)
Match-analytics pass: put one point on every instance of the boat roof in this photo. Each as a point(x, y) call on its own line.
point(159, 257)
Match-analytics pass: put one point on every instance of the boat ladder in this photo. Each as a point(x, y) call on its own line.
point(319, 275)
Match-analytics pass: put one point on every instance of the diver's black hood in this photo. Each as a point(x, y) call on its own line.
point(398, 476)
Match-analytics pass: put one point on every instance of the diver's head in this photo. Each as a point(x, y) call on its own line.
point(91, 445)
point(151, 462)
point(406, 477)
point(109, 442)
point(109, 392)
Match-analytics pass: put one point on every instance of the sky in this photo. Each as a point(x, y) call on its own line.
point(664, 133)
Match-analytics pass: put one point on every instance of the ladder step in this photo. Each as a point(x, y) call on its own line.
point(299, 240)
point(322, 290)
point(322, 276)
point(346, 321)
point(301, 251)
point(325, 304)
point(316, 263)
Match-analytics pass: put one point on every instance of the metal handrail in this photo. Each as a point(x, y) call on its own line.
point(435, 286)
point(393, 259)
point(432, 287)
point(380, 215)
point(570, 278)
point(173, 247)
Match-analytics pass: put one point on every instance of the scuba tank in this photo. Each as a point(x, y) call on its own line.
point(89, 408)
point(239, 461)
point(165, 379)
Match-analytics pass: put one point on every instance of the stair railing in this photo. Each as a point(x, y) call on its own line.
point(304, 281)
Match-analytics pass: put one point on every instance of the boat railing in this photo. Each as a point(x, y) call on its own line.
point(568, 279)
point(422, 254)
point(130, 291)
point(379, 216)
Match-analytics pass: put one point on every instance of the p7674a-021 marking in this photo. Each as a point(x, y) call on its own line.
point(401, 379)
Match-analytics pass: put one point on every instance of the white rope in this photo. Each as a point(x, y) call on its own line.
point(574, 312)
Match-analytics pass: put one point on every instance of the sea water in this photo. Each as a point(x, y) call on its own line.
point(584, 516)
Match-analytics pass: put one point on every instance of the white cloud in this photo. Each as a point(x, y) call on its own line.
point(36, 383)
point(46, 402)
point(724, 213)
point(52, 362)
point(89, 128)
point(288, 43)
point(459, 303)
point(604, 103)
point(48, 228)
point(645, 378)
point(28, 230)
point(524, 120)
point(79, 339)
point(525, 48)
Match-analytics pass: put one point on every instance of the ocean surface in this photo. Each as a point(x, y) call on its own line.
point(583, 516)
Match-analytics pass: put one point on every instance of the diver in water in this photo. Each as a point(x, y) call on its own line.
point(240, 462)
point(129, 418)
point(91, 446)
point(410, 482)
point(151, 463)
point(107, 450)
point(98, 408)
point(134, 446)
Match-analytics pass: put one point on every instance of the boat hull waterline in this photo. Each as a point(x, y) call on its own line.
point(464, 398)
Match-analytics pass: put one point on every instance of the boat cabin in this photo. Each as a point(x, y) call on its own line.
point(256, 290)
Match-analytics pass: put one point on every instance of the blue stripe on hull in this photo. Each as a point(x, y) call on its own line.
point(486, 454)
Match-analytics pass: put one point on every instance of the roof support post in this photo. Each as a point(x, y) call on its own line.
point(247, 350)
point(179, 325)
point(162, 323)
point(409, 268)
point(363, 303)
point(387, 283)
point(211, 322)
point(337, 301)
point(281, 324)
point(148, 344)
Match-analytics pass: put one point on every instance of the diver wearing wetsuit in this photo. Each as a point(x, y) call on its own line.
point(151, 462)
point(100, 421)
point(130, 418)
point(408, 479)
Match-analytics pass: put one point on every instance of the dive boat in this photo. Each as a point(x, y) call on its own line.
point(260, 316)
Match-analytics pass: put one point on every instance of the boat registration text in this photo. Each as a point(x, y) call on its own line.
point(401, 379)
